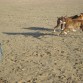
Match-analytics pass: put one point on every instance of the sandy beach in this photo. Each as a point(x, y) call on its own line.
point(31, 51)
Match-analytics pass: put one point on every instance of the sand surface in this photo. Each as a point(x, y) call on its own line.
point(32, 52)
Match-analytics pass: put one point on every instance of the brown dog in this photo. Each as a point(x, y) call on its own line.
point(71, 24)
point(61, 20)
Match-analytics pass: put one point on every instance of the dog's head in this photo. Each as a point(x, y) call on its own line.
point(61, 20)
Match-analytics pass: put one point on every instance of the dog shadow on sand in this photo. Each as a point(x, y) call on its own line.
point(38, 29)
point(34, 32)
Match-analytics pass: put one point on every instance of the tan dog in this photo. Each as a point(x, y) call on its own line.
point(61, 21)
point(72, 24)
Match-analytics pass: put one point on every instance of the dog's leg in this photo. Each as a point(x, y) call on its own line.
point(64, 31)
point(58, 24)
point(62, 26)
point(56, 27)
point(73, 30)
point(81, 27)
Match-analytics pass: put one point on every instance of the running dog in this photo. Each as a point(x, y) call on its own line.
point(71, 24)
point(61, 22)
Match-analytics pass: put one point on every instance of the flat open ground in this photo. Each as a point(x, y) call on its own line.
point(32, 52)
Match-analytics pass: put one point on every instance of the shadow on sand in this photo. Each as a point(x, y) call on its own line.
point(34, 33)
point(39, 29)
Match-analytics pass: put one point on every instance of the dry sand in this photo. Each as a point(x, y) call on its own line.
point(32, 52)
